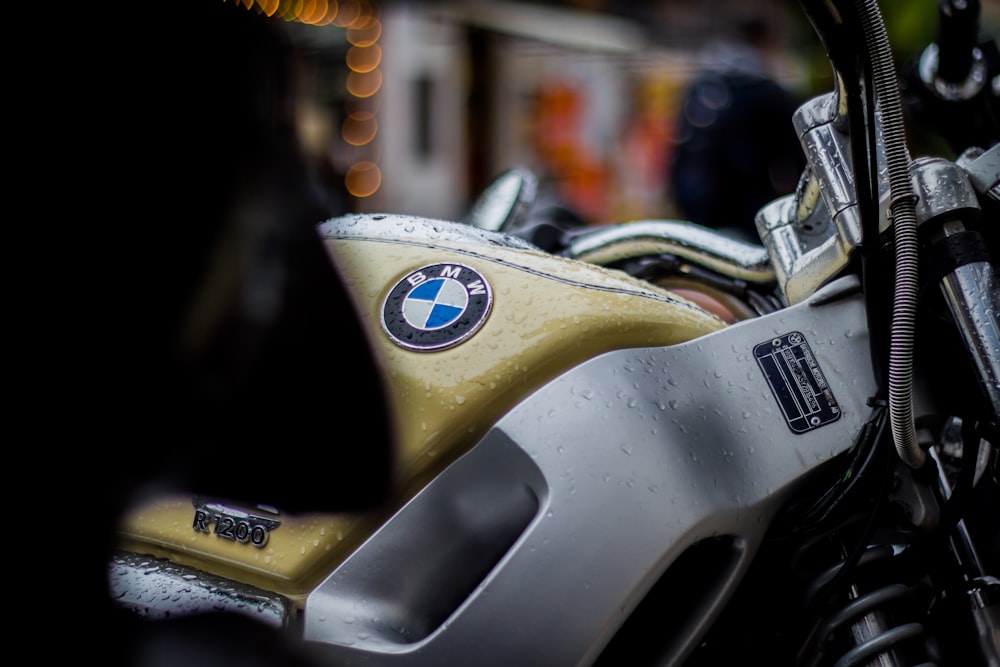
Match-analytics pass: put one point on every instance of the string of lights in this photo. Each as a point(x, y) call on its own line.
point(363, 27)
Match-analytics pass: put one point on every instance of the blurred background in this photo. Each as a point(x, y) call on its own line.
point(413, 107)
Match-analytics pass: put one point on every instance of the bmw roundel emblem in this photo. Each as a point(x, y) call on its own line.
point(436, 306)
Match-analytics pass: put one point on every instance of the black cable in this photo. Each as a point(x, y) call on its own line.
point(865, 451)
point(847, 566)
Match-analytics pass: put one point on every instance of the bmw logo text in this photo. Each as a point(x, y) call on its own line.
point(436, 307)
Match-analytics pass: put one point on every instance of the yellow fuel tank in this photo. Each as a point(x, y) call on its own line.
point(464, 324)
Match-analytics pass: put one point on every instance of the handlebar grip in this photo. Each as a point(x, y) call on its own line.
point(958, 32)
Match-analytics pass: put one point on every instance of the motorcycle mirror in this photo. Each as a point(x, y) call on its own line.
point(505, 201)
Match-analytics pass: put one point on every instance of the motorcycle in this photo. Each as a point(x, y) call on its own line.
point(645, 442)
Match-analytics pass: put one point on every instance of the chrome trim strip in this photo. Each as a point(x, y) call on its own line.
point(157, 589)
point(701, 245)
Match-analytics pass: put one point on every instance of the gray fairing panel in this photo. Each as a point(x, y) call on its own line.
point(534, 548)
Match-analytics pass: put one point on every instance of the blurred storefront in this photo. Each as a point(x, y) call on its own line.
point(412, 107)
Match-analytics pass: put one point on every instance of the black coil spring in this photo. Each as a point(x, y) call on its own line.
point(875, 622)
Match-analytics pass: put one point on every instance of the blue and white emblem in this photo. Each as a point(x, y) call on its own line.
point(436, 307)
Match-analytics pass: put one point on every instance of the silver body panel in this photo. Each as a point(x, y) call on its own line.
point(597, 483)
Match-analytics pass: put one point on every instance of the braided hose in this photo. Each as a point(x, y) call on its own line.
point(902, 209)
